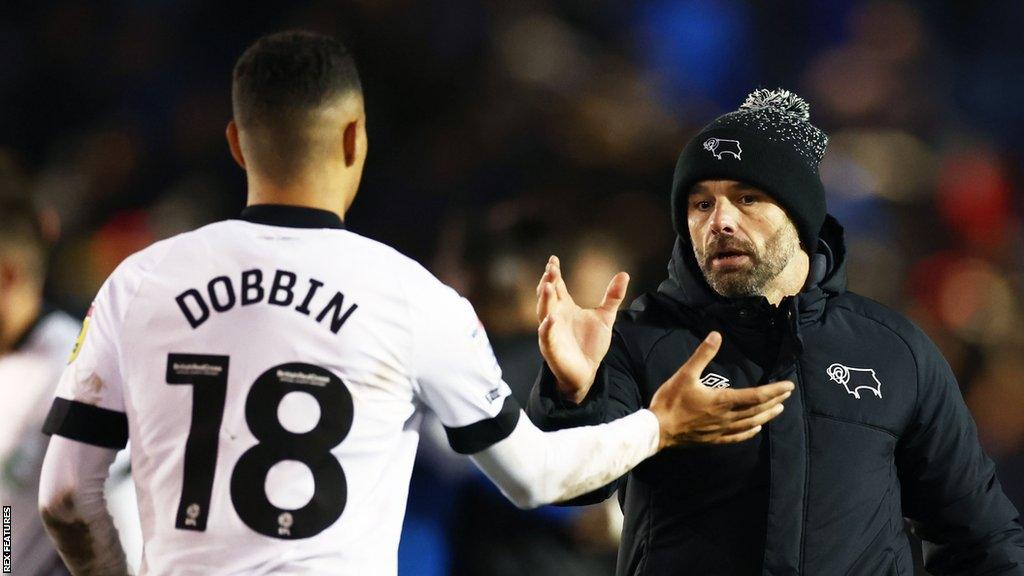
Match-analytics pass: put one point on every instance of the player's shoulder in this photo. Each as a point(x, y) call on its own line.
point(150, 257)
point(405, 269)
point(184, 245)
point(380, 252)
point(132, 272)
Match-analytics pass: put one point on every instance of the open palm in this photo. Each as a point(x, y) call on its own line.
point(574, 340)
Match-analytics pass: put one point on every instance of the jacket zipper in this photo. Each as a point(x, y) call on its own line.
point(807, 463)
point(793, 323)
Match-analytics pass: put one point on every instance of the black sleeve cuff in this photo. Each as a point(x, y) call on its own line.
point(481, 435)
point(87, 423)
point(549, 411)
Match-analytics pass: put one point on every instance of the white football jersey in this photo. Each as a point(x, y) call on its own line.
point(271, 373)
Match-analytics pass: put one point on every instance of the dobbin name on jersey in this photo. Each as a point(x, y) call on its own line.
point(221, 295)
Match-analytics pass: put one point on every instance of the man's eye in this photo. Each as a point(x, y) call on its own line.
point(703, 205)
point(748, 199)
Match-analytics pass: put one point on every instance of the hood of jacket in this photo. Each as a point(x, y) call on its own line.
point(687, 287)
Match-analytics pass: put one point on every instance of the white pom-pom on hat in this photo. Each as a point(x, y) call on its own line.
point(779, 100)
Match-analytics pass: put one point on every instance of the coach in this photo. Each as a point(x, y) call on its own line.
point(876, 430)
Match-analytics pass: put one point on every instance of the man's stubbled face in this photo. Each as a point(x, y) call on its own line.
point(735, 267)
point(742, 239)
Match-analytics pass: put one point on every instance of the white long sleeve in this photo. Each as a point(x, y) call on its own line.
point(533, 468)
point(74, 509)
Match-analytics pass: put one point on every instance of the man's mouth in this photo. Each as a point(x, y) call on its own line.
point(729, 259)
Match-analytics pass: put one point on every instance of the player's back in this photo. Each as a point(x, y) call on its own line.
point(266, 375)
point(272, 378)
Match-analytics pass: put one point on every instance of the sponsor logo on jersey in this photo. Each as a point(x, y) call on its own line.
point(196, 369)
point(855, 379)
point(292, 377)
point(712, 380)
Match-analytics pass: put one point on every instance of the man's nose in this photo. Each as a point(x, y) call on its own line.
point(723, 220)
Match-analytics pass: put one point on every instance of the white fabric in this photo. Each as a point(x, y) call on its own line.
point(534, 468)
point(71, 490)
point(411, 344)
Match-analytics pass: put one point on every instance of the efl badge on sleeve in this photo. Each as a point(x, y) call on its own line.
point(81, 336)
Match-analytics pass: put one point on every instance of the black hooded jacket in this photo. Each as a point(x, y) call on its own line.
point(875, 431)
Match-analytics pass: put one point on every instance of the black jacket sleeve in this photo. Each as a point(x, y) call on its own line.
point(949, 488)
point(614, 394)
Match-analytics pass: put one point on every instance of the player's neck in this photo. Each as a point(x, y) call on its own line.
point(331, 194)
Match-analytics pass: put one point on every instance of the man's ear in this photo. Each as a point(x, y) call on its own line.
point(350, 143)
point(236, 148)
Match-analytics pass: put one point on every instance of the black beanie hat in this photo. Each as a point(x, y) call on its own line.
point(768, 143)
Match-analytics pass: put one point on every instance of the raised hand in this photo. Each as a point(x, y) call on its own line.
point(574, 340)
point(691, 413)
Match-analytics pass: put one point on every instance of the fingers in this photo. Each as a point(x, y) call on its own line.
point(545, 277)
point(702, 356)
point(739, 425)
point(546, 342)
point(553, 275)
point(738, 437)
point(556, 277)
point(552, 293)
point(614, 294)
point(547, 291)
point(550, 339)
point(746, 397)
point(546, 296)
point(758, 408)
point(730, 422)
point(544, 332)
point(758, 419)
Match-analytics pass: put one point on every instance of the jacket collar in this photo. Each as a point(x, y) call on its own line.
point(686, 285)
point(291, 216)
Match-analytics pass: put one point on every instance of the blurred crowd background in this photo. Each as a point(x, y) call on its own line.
point(502, 132)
